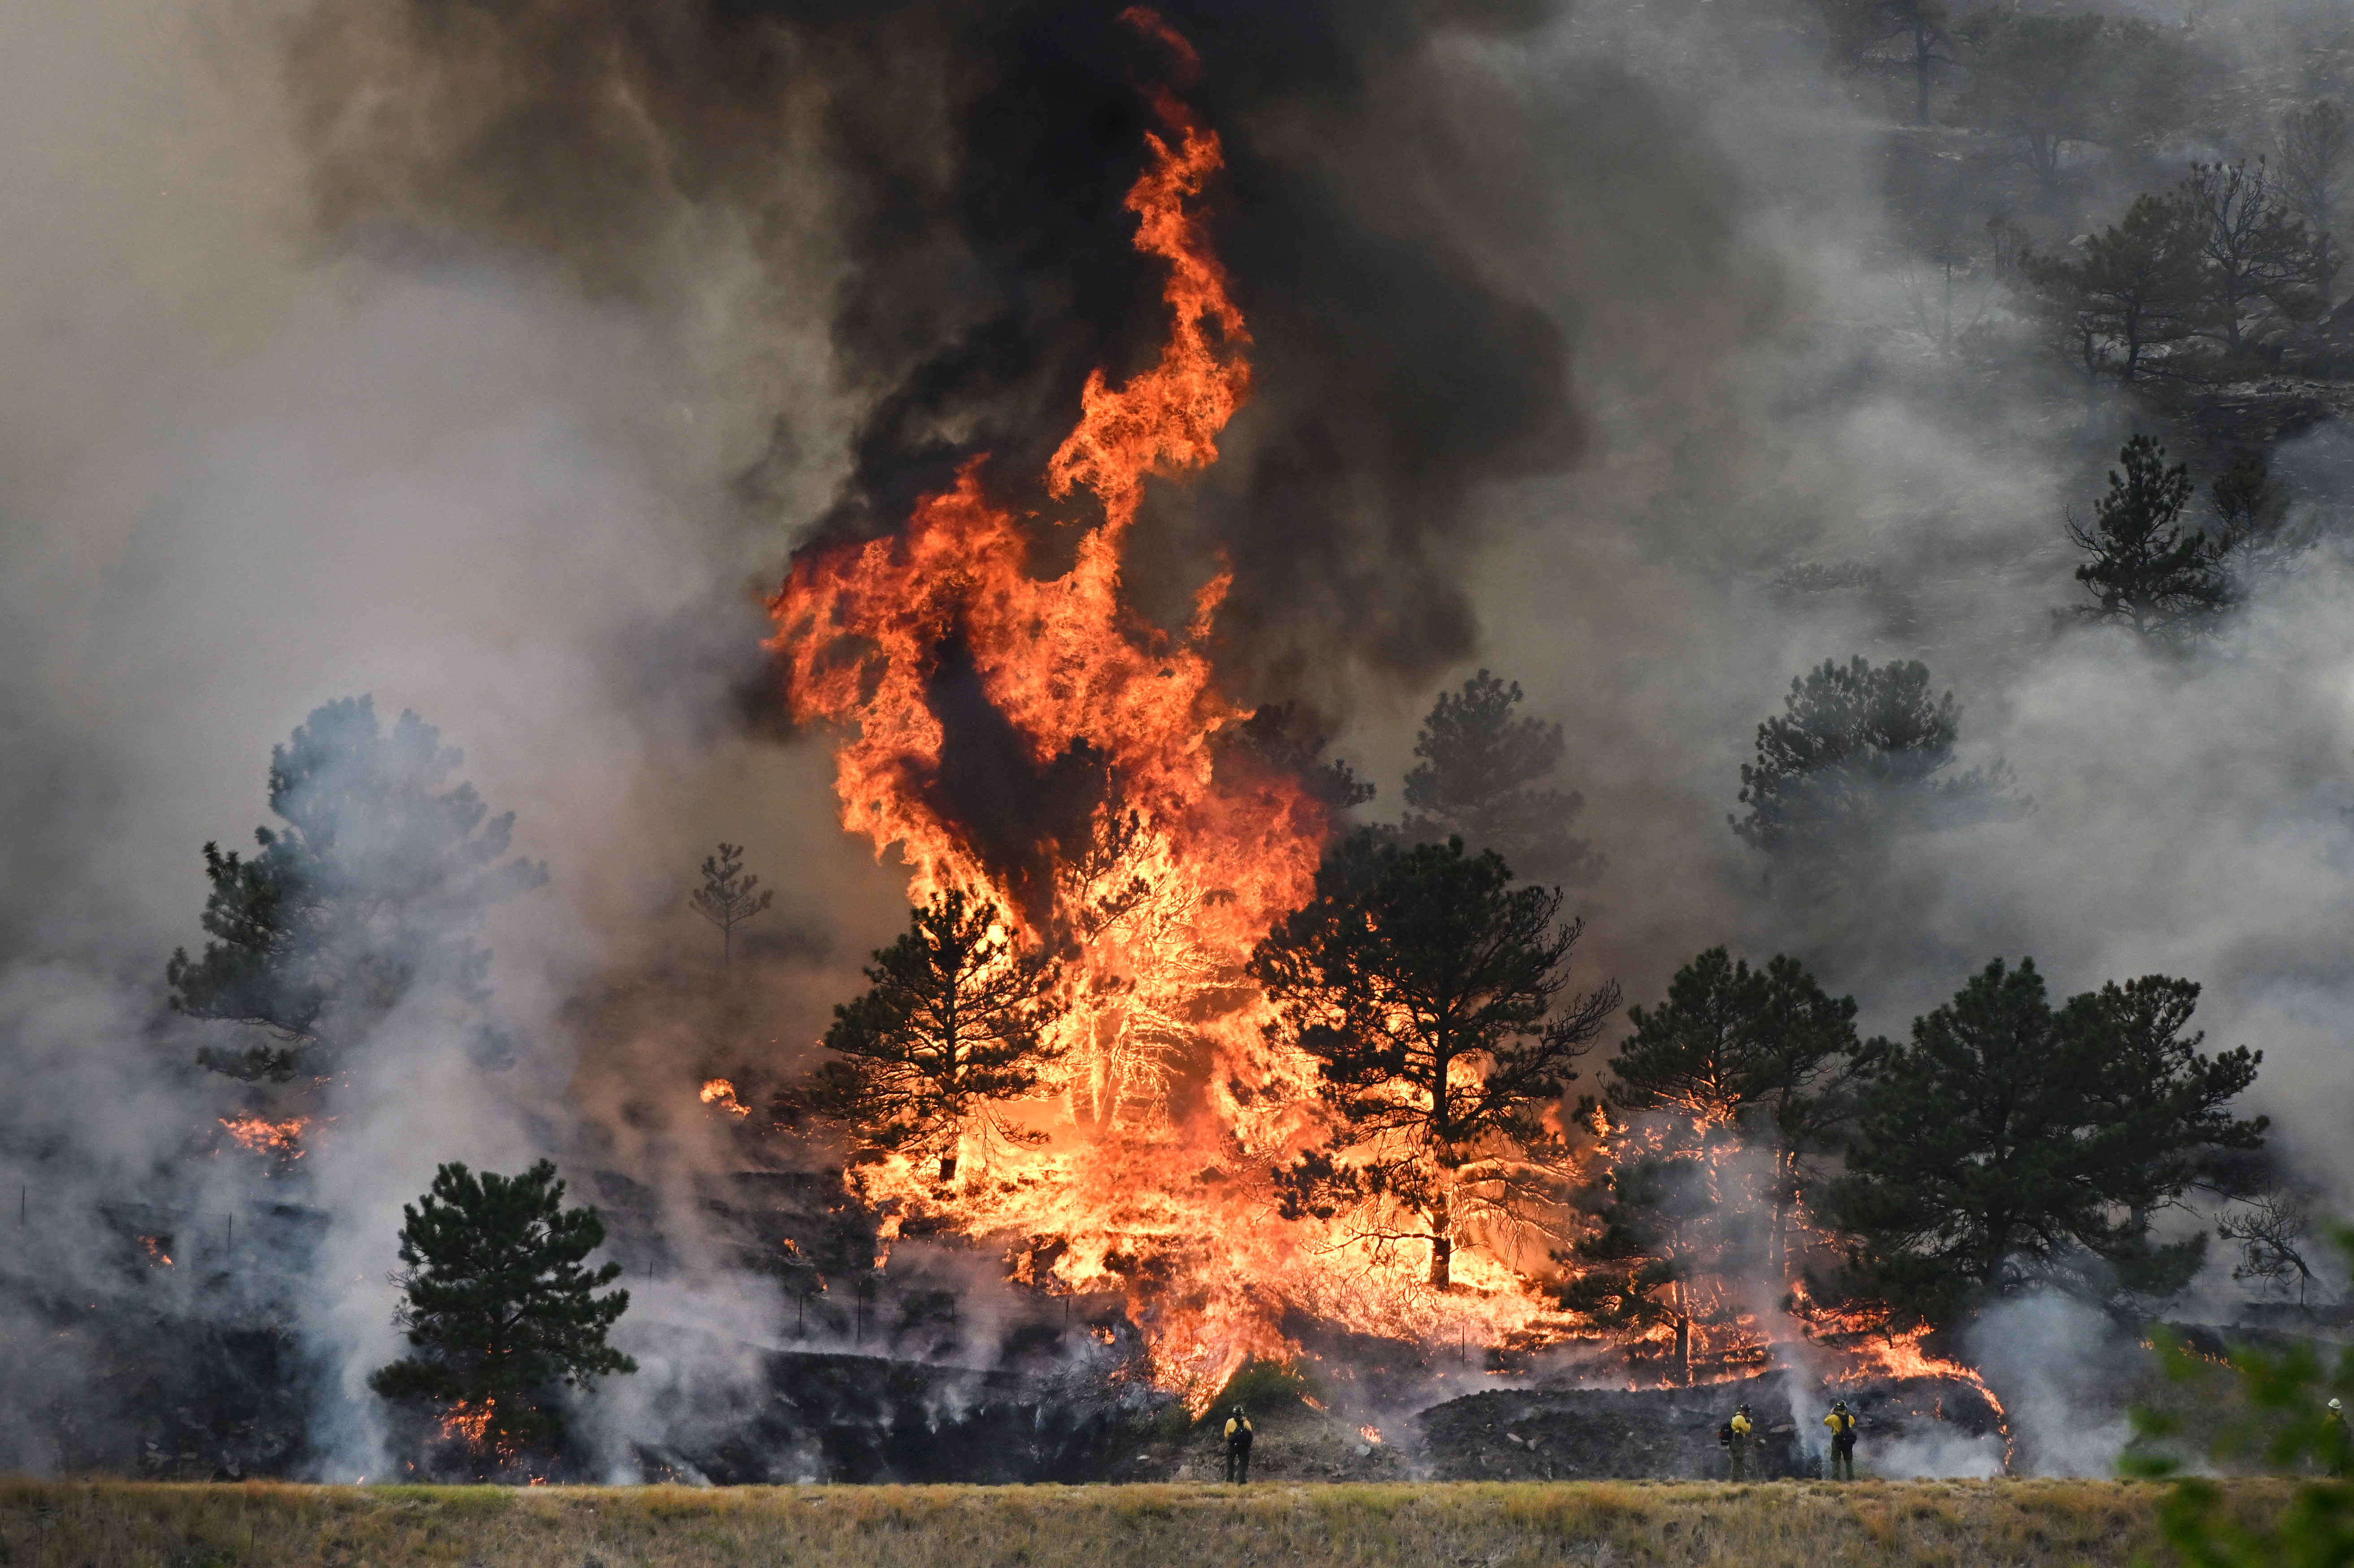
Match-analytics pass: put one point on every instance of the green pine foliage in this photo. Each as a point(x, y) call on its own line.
point(497, 1304)
point(956, 1024)
point(1711, 1105)
point(1763, 1056)
point(2135, 294)
point(2010, 1143)
point(2141, 567)
point(1435, 996)
point(1481, 778)
point(1856, 755)
point(372, 887)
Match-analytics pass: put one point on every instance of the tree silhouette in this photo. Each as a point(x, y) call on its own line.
point(2254, 246)
point(374, 886)
point(1857, 755)
point(1911, 36)
point(497, 1305)
point(2143, 568)
point(1425, 985)
point(2011, 1144)
point(729, 897)
point(1764, 1054)
point(956, 1024)
point(1478, 780)
point(2139, 285)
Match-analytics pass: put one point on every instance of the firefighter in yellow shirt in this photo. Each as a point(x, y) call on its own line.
point(1841, 1420)
point(1238, 1446)
point(1738, 1447)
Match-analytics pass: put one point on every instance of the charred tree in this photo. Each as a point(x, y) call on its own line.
point(729, 897)
point(498, 1307)
point(373, 888)
point(2011, 1144)
point(2255, 247)
point(957, 1023)
point(1434, 995)
point(1482, 779)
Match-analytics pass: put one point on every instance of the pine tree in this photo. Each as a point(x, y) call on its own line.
point(2139, 287)
point(957, 1024)
point(1763, 1056)
point(497, 1305)
point(2315, 148)
point(2047, 81)
point(1666, 1226)
point(374, 886)
point(2252, 511)
point(1913, 38)
point(1479, 780)
point(1433, 994)
point(729, 897)
point(2011, 1144)
point(1857, 755)
point(2142, 568)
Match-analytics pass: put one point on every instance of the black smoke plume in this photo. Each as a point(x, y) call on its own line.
point(954, 174)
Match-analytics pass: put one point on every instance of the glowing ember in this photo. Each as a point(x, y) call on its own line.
point(155, 1247)
point(262, 1136)
point(1370, 1433)
point(468, 1422)
point(721, 1093)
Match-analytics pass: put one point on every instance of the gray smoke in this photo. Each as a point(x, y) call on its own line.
point(490, 359)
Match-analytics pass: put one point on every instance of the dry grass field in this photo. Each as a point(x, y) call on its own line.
point(1932, 1525)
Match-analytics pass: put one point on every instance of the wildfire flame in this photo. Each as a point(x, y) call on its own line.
point(1160, 893)
point(721, 1093)
point(155, 1253)
point(261, 1135)
point(1169, 1108)
point(468, 1422)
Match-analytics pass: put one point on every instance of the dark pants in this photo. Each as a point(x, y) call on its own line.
point(1842, 1458)
point(1740, 1455)
point(1238, 1463)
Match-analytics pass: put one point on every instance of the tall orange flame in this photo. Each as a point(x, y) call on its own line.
point(1179, 868)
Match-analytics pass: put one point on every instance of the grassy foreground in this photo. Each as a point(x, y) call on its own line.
point(1934, 1524)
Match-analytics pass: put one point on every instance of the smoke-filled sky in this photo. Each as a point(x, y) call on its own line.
point(491, 359)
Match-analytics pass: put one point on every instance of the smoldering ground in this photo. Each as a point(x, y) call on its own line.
point(486, 358)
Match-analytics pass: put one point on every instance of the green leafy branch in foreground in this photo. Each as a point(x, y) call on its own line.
point(2290, 1427)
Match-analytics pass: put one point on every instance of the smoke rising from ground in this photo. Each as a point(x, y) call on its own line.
point(484, 358)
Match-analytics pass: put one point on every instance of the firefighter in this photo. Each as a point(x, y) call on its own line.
point(1741, 1428)
point(1842, 1425)
point(1238, 1445)
point(2337, 1442)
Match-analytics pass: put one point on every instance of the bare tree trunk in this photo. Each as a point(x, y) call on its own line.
point(1777, 1248)
point(1684, 1335)
point(947, 1168)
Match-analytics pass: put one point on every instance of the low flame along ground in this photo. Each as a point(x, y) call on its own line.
point(1171, 1108)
